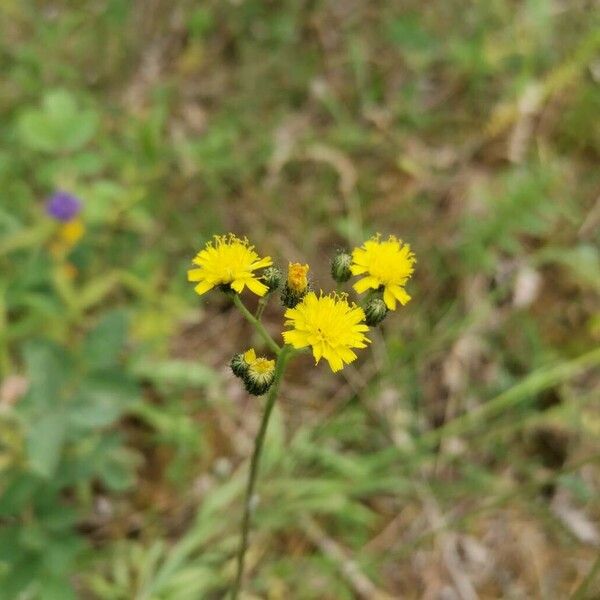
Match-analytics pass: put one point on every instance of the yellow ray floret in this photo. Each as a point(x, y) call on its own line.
point(250, 356)
point(330, 325)
point(388, 264)
point(231, 261)
point(297, 279)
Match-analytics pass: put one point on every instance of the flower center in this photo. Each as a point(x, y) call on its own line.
point(262, 366)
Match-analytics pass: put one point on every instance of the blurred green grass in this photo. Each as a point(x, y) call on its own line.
point(460, 456)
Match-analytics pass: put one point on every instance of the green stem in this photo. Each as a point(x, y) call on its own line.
point(282, 360)
point(262, 303)
point(257, 325)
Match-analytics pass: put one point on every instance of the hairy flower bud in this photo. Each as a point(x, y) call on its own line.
point(340, 266)
point(375, 311)
point(272, 278)
point(296, 286)
point(259, 376)
point(238, 365)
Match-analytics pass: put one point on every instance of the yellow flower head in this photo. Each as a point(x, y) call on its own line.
point(297, 279)
point(228, 260)
point(67, 236)
point(71, 231)
point(387, 264)
point(259, 374)
point(261, 367)
point(330, 325)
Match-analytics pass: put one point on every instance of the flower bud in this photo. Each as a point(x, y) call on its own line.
point(240, 363)
point(297, 279)
point(340, 266)
point(296, 285)
point(259, 376)
point(375, 311)
point(272, 278)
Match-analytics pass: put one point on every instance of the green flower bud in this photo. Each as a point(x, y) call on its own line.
point(340, 266)
point(290, 298)
point(238, 365)
point(375, 311)
point(259, 376)
point(272, 278)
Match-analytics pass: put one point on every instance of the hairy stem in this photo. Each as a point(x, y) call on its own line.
point(273, 346)
point(262, 303)
point(282, 360)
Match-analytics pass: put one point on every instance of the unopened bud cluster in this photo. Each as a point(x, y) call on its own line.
point(256, 372)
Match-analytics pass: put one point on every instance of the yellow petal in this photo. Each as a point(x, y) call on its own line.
point(195, 275)
point(400, 294)
point(389, 299)
point(203, 287)
point(365, 283)
point(295, 338)
point(260, 289)
point(335, 362)
point(238, 285)
point(263, 262)
point(250, 356)
point(358, 269)
point(318, 351)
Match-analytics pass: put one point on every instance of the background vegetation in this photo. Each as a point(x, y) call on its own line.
point(458, 458)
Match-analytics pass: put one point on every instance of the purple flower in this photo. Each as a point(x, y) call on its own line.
point(63, 206)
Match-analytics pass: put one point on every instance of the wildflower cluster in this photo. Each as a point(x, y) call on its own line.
point(329, 324)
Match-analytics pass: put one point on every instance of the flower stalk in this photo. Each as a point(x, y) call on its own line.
point(284, 356)
point(260, 328)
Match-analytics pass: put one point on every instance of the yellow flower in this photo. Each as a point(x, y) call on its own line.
point(71, 232)
point(228, 260)
point(387, 264)
point(262, 367)
point(330, 325)
point(67, 236)
point(297, 279)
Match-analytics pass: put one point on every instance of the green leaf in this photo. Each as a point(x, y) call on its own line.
point(102, 199)
point(175, 372)
point(56, 588)
point(45, 440)
point(101, 400)
point(97, 290)
point(103, 345)
point(408, 33)
point(59, 126)
point(117, 471)
point(18, 493)
point(47, 370)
